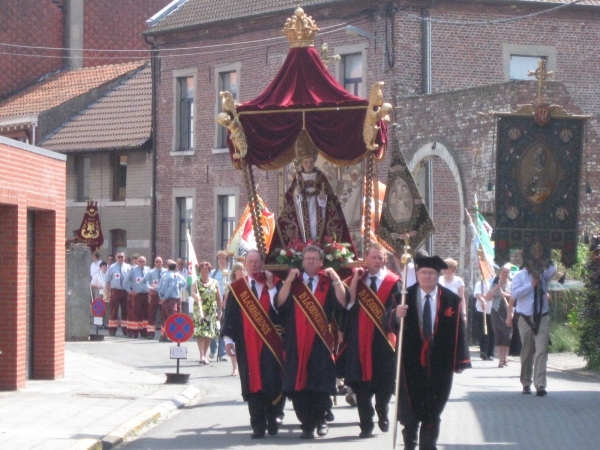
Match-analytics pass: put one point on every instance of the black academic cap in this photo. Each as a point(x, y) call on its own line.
point(433, 262)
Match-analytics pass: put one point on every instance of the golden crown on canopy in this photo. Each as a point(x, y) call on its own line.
point(300, 29)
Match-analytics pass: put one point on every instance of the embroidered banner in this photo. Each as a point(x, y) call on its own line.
point(537, 187)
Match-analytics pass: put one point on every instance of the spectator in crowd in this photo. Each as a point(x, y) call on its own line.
point(169, 291)
point(207, 310)
point(220, 274)
point(117, 295)
point(484, 310)
point(98, 284)
point(237, 272)
point(499, 295)
point(95, 265)
point(455, 283)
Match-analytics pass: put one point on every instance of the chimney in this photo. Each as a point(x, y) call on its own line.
point(73, 33)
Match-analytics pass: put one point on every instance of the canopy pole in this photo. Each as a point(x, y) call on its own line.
point(255, 209)
point(368, 196)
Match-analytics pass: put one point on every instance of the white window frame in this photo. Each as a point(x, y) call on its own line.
point(343, 50)
point(175, 194)
point(549, 52)
point(176, 75)
point(217, 219)
point(234, 67)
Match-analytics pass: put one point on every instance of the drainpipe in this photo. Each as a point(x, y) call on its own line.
point(153, 71)
point(426, 89)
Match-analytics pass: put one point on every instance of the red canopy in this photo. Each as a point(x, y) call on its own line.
point(304, 93)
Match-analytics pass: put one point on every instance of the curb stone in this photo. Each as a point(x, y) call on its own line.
point(133, 426)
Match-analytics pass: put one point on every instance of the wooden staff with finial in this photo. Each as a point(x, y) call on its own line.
point(405, 259)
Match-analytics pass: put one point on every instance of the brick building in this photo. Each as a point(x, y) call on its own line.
point(32, 219)
point(441, 61)
point(69, 24)
point(109, 159)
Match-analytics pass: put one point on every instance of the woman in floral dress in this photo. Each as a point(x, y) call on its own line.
point(207, 310)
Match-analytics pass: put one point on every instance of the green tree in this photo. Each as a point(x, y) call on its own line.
point(588, 323)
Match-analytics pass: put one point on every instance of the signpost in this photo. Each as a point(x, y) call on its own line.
point(178, 328)
point(98, 310)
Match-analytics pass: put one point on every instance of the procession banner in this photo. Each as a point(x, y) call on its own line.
point(404, 216)
point(90, 229)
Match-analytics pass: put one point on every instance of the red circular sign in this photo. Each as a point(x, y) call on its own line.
point(98, 307)
point(179, 327)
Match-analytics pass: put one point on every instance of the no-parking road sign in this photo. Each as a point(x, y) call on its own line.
point(179, 327)
point(98, 307)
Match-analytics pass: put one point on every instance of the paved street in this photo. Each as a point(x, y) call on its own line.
point(486, 410)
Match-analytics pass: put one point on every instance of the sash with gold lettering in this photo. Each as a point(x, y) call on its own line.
point(310, 306)
point(259, 330)
point(369, 318)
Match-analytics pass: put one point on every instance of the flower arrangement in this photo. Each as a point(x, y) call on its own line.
point(291, 255)
point(336, 253)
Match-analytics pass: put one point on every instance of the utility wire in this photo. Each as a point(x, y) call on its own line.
point(485, 22)
point(281, 38)
point(158, 55)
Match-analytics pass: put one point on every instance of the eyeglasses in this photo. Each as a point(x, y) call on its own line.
point(311, 259)
point(120, 257)
point(158, 260)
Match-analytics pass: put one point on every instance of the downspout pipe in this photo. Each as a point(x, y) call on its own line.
point(426, 88)
point(153, 71)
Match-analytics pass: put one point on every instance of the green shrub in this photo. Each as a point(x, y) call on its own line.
point(588, 319)
point(563, 338)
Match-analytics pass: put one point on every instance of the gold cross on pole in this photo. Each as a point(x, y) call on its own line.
point(540, 74)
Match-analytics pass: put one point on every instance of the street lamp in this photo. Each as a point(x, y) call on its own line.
point(354, 32)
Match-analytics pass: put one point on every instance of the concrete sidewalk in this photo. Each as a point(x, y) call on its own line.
point(97, 402)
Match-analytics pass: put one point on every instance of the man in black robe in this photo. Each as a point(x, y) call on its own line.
point(306, 303)
point(434, 347)
point(259, 361)
point(370, 352)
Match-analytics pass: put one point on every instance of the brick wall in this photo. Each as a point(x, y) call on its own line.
point(446, 212)
point(20, 24)
point(30, 180)
point(465, 56)
point(107, 26)
point(120, 26)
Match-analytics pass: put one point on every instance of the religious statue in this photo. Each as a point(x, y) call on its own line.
point(311, 210)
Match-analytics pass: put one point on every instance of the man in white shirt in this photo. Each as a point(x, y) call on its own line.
point(95, 265)
point(530, 292)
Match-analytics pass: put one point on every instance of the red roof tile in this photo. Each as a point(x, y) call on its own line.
point(120, 119)
point(62, 87)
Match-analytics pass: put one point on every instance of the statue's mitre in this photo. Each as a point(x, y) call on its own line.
point(300, 29)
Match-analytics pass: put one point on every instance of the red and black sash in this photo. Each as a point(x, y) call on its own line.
point(258, 329)
point(372, 309)
point(309, 310)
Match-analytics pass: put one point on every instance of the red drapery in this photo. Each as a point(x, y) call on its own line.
point(273, 121)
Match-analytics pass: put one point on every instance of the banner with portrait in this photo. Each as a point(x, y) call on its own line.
point(538, 171)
